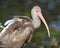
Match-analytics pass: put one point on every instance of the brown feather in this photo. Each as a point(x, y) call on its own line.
point(18, 32)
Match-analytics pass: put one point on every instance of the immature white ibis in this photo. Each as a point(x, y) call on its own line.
point(19, 30)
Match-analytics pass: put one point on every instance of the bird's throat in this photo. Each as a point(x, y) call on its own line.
point(36, 21)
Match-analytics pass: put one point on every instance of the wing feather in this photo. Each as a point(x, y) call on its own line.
point(16, 33)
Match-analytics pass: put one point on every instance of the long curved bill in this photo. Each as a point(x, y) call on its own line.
point(43, 20)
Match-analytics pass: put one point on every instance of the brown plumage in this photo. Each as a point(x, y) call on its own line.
point(17, 33)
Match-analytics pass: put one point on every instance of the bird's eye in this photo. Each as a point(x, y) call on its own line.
point(36, 10)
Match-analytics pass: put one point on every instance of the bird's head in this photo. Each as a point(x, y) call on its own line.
point(37, 11)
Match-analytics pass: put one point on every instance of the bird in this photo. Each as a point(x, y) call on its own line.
point(19, 30)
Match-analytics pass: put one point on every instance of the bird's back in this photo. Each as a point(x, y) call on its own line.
point(17, 32)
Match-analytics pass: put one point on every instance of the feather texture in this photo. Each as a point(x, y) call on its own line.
point(17, 32)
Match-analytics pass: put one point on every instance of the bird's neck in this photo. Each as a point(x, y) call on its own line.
point(36, 21)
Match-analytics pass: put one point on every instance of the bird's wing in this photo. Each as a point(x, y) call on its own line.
point(4, 31)
point(11, 25)
point(14, 35)
point(23, 38)
point(20, 39)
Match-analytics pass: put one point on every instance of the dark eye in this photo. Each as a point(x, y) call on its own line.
point(36, 10)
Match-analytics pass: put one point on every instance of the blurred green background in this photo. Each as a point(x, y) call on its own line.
point(51, 12)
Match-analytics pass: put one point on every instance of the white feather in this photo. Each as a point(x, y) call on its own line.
point(7, 22)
